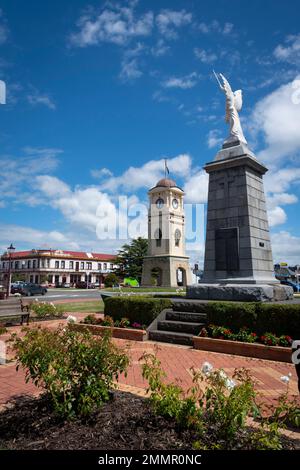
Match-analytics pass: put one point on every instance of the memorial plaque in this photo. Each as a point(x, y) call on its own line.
point(227, 249)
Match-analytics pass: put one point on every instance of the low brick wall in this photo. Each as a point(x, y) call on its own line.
point(121, 333)
point(260, 351)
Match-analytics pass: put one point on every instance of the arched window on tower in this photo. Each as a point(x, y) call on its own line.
point(177, 237)
point(158, 237)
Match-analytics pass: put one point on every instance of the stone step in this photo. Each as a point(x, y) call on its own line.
point(185, 316)
point(180, 327)
point(171, 337)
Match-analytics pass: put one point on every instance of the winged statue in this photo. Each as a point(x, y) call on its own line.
point(234, 102)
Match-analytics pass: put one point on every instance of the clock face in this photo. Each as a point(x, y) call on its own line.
point(159, 203)
point(175, 203)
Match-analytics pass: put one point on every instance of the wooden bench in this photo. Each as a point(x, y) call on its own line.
point(14, 308)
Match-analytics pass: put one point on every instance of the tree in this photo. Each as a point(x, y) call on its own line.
point(130, 258)
point(111, 280)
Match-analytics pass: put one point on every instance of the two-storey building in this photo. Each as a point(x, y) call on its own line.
point(56, 267)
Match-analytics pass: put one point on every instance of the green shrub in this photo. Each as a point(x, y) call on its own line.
point(280, 319)
point(140, 309)
point(77, 370)
point(46, 309)
point(217, 409)
point(111, 280)
point(235, 315)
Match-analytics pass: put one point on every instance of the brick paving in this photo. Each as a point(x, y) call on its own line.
point(176, 361)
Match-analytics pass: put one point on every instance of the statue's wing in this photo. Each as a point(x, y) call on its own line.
point(238, 100)
point(226, 85)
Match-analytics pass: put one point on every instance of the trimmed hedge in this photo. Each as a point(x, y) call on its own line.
point(259, 317)
point(137, 309)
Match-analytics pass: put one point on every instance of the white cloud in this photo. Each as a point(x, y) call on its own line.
point(186, 82)
point(114, 24)
point(148, 174)
point(160, 49)
point(290, 52)
point(214, 139)
point(216, 27)
point(204, 56)
point(33, 237)
point(130, 70)
point(279, 181)
point(277, 118)
point(276, 216)
point(17, 172)
point(196, 188)
point(286, 247)
point(169, 20)
point(36, 98)
point(103, 172)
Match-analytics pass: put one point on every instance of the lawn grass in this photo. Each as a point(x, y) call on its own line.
point(142, 289)
point(91, 306)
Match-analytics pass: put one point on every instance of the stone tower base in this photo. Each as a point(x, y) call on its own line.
point(167, 267)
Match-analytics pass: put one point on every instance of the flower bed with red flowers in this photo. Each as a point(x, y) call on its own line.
point(122, 329)
point(244, 342)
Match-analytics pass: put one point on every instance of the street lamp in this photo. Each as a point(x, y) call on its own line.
point(10, 250)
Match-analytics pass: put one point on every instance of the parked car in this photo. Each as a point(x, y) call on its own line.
point(30, 289)
point(296, 287)
point(66, 285)
point(16, 287)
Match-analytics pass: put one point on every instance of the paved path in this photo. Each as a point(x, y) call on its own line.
point(176, 361)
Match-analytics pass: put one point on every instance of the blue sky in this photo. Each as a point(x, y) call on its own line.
point(98, 93)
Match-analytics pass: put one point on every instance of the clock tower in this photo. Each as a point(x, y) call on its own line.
point(166, 263)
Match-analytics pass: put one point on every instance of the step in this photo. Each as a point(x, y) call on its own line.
point(180, 326)
point(185, 316)
point(171, 337)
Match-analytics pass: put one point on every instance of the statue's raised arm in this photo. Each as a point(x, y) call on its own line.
point(234, 102)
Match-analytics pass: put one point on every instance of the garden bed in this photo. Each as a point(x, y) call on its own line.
point(124, 423)
point(239, 348)
point(121, 333)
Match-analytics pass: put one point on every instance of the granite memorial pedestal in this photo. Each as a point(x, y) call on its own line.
point(238, 256)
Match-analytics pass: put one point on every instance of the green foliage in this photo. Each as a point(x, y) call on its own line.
point(111, 280)
point(168, 400)
point(217, 410)
point(278, 318)
point(130, 258)
point(235, 315)
point(281, 319)
point(77, 370)
point(140, 309)
point(2, 329)
point(286, 411)
point(245, 335)
point(47, 309)
point(229, 405)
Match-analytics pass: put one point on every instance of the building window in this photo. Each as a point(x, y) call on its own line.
point(71, 264)
point(82, 265)
point(23, 265)
point(56, 264)
point(89, 266)
point(42, 263)
point(63, 265)
point(16, 264)
point(99, 266)
point(177, 237)
point(105, 266)
point(34, 264)
point(158, 237)
point(111, 266)
point(47, 263)
point(29, 264)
